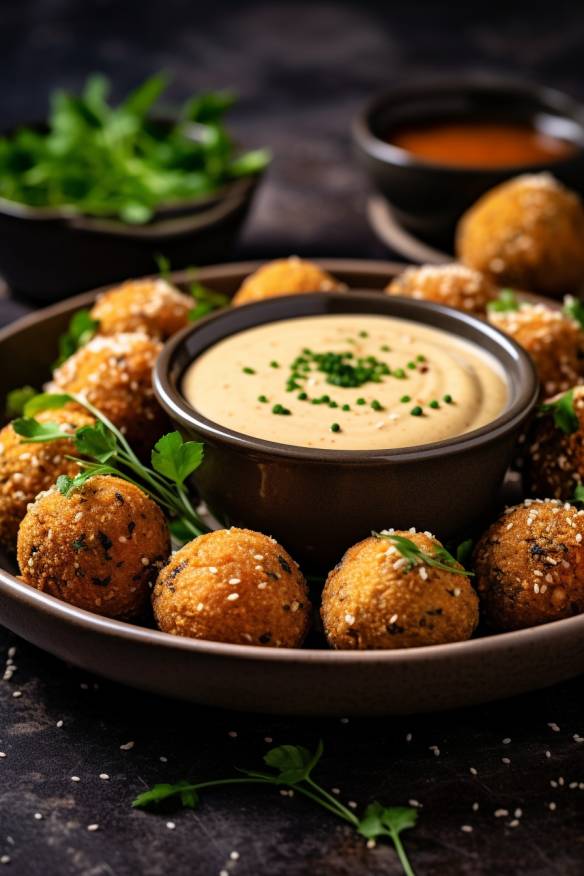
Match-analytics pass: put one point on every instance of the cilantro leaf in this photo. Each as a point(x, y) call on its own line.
point(36, 433)
point(293, 762)
point(505, 301)
point(16, 399)
point(46, 401)
point(97, 442)
point(176, 459)
point(82, 327)
point(440, 559)
point(563, 412)
point(184, 790)
point(574, 308)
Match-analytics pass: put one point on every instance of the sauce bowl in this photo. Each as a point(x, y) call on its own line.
point(318, 502)
point(428, 198)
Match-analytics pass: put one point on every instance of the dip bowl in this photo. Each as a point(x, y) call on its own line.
point(319, 502)
point(428, 198)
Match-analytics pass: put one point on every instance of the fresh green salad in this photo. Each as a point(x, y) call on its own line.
point(100, 159)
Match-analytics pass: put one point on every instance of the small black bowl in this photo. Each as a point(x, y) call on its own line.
point(429, 198)
point(319, 502)
point(49, 253)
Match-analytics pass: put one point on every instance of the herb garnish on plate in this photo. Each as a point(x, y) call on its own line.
point(563, 412)
point(416, 556)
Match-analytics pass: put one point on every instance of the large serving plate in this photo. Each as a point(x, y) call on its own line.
point(306, 681)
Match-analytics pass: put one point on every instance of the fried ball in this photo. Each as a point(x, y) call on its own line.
point(233, 585)
point(530, 565)
point(285, 277)
point(554, 461)
point(527, 233)
point(454, 285)
point(115, 375)
point(374, 600)
point(553, 339)
point(99, 548)
point(150, 306)
point(27, 469)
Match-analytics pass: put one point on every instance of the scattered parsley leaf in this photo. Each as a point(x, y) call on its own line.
point(564, 414)
point(82, 327)
point(96, 442)
point(505, 301)
point(440, 559)
point(36, 433)
point(188, 795)
point(16, 399)
point(46, 401)
point(176, 459)
point(574, 308)
point(293, 762)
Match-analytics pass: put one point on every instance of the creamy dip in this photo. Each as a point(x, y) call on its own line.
point(347, 382)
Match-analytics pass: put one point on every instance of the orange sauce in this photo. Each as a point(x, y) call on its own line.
point(480, 144)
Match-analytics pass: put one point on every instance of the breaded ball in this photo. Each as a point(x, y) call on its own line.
point(115, 375)
point(527, 233)
point(553, 339)
point(100, 548)
point(374, 600)
point(554, 461)
point(27, 469)
point(453, 285)
point(233, 585)
point(153, 306)
point(530, 565)
point(285, 277)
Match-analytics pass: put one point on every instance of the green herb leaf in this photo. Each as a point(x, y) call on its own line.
point(163, 264)
point(82, 327)
point(184, 790)
point(16, 400)
point(206, 301)
point(563, 412)
point(464, 552)
point(578, 493)
point(176, 459)
point(293, 762)
point(68, 485)
point(37, 433)
point(505, 301)
point(440, 559)
point(46, 401)
point(96, 442)
point(574, 308)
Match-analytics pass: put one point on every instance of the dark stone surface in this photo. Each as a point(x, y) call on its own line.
point(302, 69)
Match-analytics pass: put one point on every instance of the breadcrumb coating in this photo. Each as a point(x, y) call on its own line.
point(454, 285)
point(153, 307)
point(554, 460)
point(285, 277)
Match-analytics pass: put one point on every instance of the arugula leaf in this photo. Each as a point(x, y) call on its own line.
point(574, 308)
point(36, 433)
point(176, 459)
point(563, 412)
point(96, 442)
point(16, 399)
point(46, 401)
point(440, 559)
point(505, 301)
point(82, 327)
point(188, 795)
point(293, 762)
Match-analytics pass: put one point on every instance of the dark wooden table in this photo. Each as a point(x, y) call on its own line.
point(302, 69)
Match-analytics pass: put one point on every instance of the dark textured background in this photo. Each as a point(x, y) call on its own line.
point(301, 69)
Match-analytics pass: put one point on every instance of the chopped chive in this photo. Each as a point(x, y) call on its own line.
point(448, 399)
point(434, 404)
point(280, 409)
point(376, 405)
point(417, 411)
point(335, 427)
point(420, 358)
point(363, 334)
point(274, 364)
point(333, 404)
point(247, 370)
point(405, 399)
point(302, 396)
point(411, 365)
point(262, 398)
point(399, 373)
point(346, 407)
point(385, 348)
point(361, 401)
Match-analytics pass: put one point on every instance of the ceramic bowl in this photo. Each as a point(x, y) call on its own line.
point(320, 502)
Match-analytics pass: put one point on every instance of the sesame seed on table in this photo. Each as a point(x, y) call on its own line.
point(498, 788)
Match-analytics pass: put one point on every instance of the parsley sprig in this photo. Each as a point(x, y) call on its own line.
point(291, 766)
point(574, 308)
point(103, 450)
point(415, 556)
point(505, 302)
point(563, 412)
point(82, 327)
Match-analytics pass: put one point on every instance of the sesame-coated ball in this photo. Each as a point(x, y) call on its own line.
point(99, 549)
point(28, 468)
point(530, 565)
point(152, 306)
point(233, 585)
point(453, 285)
point(374, 599)
point(527, 233)
point(115, 375)
point(285, 277)
point(554, 459)
point(553, 339)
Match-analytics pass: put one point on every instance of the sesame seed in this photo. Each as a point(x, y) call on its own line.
point(466, 828)
point(409, 737)
point(2, 754)
point(5, 859)
point(553, 726)
point(200, 606)
point(234, 581)
point(38, 816)
point(501, 813)
point(518, 813)
point(233, 734)
point(232, 597)
point(93, 827)
point(506, 741)
point(170, 825)
point(103, 776)
point(234, 856)
point(371, 843)
point(514, 823)
point(350, 618)
point(213, 570)
point(268, 739)
point(16, 694)
point(435, 750)
point(145, 561)
point(473, 771)
point(163, 759)
point(258, 556)
point(475, 807)
point(75, 779)
point(552, 806)
point(336, 790)
point(127, 746)
point(548, 754)
point(505, 760)
point(262, 585)
point(352, 804)
point(393, 618)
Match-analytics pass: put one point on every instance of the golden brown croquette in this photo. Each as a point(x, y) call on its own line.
point(373, 599)
point(27, 469)
point(100, 548)
point(453, 285)
point(233, 585)
point(530, 565)
point(285, 277)
point(553, 339)
point(527, 233)
point(152, 306)
point(554, 459)
point(115, 375)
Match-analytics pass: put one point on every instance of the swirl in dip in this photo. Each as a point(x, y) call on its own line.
point(346, 382)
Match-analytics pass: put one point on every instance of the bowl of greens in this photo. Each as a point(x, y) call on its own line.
point(98, 191)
